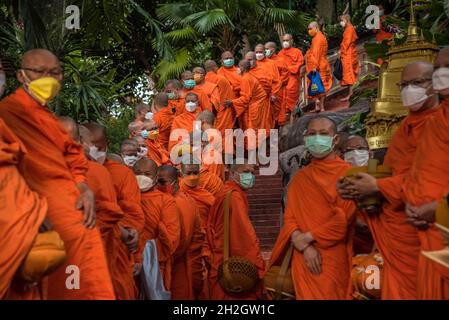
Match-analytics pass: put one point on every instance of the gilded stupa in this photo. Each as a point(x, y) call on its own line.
point(387, 110)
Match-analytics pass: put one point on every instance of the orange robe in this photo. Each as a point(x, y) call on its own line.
point(109, 215)
point(225, 117)
point(188, 265)
point(53, 166)
point(211, 90)
point(243, 240)
point(280, 107)
point(252, 106)
point(203, 198)
point(381, 34)
point(233, 77)
point(266, 72)
point(316, 59)
point(164, 119)
point(21, 213)
point(314, 206)
point(178, 105)
point(294, 59)
point(427, 181)
point(349, 58)
point(395, 238)
point(210, 181)
point(157, 153)
point(183, 121)
point(162, 223)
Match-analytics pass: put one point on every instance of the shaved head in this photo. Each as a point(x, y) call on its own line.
point(40, 59)
point(227, 55)
point(85, 135)
point(355, 142)
point(160, 100)
point(314, 25)
point(270, 45)
point(258, 47)
point(416, 70)
point(173, 84)
point(187, 75)
point(115, 157)
point(169, 172)
point(145, 166)
point(244, 65)
point(250, 55)
point(320, 122)
point(199, 70)
point(98, 132)
point(287, 37)
point(206, 116)
point(71, 127)
point(210, 65)
point(135, 128)
point(190, 169)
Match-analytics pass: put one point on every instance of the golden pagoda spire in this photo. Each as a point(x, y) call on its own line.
point(412, 33)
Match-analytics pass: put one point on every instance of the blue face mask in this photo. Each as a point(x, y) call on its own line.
point(171, 96)
point(144, 133)
point(247, 180)
point(189, 84)
point(319, 145)
point(228, 62)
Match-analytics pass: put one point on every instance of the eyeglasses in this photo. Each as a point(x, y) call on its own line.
point(53, 73)
point(416, 82)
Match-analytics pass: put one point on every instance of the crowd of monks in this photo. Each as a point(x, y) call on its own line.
point(59, 175)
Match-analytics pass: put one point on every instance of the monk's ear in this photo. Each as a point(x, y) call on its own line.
point(20, 76)
point(337, 140)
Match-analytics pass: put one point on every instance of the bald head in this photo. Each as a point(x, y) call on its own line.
point(98, 134)
point(189, 169)
point(441, 83)
point(141, 110)
point(129, 147)
point(135, 128)
point(227, 55)
point(417, 70)
point(160, 101)
point(250, 55)
point(39, 59)
point(115, 157)
point(270, 45)
point(314, 25)
point(354, 142)
point(150, 125)
point(85, 135)
point(206, 117)
point(167, 174)
point(198, 74)
point(244, 65)
point(146, 167)
point(71, 127)
point(210, 66)
point(418, 73)
point(321, 125)
point(187, 75)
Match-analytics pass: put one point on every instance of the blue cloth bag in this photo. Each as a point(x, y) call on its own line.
point(316, 86)
point(152, 284)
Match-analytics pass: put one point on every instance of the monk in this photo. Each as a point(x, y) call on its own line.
point(55, 167)
point(279, 110)
point(266, 72)
point(252, 105)
point(317, 221)
point(188, 266)
point(427, 182)
point(162, 220)
point(381, 33)
point(175, 95)
point(22, 212)
point(230, 71)
point(348, 55)
point(163, 116)
point(209, 161)
point(316, 61)
point(128, 151)
point(126, 189)
point(142, 147)
point(395, 238)
point(142, 112)
point(109, 216)
point(225, 117)
point(150, 132)
point(243, 240)
point(210, 88)
point(355, 151)
point(190, 86)
point(294, 58)
point(185, 120)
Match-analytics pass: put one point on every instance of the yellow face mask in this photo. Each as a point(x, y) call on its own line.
point(153, 134)
point(43, 89)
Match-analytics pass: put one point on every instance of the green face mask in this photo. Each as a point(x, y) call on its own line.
point(171, 96)
point(319, 146)
point(246, 180)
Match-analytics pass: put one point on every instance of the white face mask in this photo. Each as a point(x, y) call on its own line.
point(413, 97)
point(440, 78)
point(145, 183)
point(130, 161)
point(149, 116)
point(260, 56)
point(191, 106)
point(2, 83)
point(358, 158)
point(286, 44)
point(343, 24)
point(98, 156)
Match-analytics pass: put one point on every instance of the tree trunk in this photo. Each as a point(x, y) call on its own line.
point(325, 9)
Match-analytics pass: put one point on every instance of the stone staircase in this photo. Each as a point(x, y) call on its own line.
point(265, 210)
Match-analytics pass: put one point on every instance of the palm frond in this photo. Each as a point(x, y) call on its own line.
point(205, 21)
point(186, 33)
point(167, 69)
point(174, 12)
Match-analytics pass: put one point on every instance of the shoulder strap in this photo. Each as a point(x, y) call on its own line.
point(283, 272)
point(226, 226)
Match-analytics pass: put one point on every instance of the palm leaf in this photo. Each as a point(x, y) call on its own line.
point(169, 69)
point(205, 21)
point(187, 33)
point(174, 12)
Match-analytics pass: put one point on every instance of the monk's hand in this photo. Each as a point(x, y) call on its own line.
point(45, 226)
point(137, 269)
point(273, 99)
point(301, 240)
point(364, 185)
point(426, 212)
point(86, 201)
point(413, 217)
point(132, 240)
point(312, 258)
point(345, 188)
point(228, 103)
